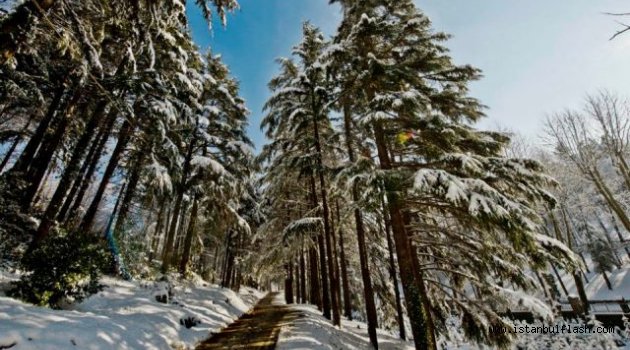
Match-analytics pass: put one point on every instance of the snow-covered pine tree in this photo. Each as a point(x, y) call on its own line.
point(299, 115)
point(99, 73)
point(447, 185)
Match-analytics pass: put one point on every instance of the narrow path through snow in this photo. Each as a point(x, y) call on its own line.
point(257, 329)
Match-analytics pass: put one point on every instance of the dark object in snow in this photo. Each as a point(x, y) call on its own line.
point(8, 346)
point(189, 322)
point(163, 298)
point(73, 342)
point(178, 303)
point(227, 301)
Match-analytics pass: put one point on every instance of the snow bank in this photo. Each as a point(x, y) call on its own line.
point(311, 331)
point(125, 315)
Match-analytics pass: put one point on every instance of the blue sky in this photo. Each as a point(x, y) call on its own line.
point(537, 56)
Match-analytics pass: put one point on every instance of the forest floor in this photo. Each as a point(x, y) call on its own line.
point(257, 329)
point(272, 324)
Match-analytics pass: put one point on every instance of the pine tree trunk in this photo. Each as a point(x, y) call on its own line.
point(334, 285)
point(69, 174)
point(315, 294)
point(579, 285)
point(298, 283)
point(302, 276)
point(426, 304)
point(368, 292)
point(229, 265)
point(43, 185)
point(132, 186)
point(28, 154)
point(16, 142)
point(81, 184)
point(347, 305)
point(189, 237)
point(392, 272)
point(181, 188)
point(167, 224)
point(290, 299)
point(335, 255)
point(215, 264)
point(123, 139)
point(9, 154)
point(46, 151)
point(413, 285)
point(226, 257)
point(156, 234)
point(322, 257)
point(179, 236)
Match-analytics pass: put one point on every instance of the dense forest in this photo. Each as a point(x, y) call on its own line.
point(124, 152)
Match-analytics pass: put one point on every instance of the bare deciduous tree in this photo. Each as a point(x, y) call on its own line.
point(612, 116)
point(572, 136)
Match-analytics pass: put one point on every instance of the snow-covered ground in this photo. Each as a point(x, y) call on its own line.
point(125, 315)
point(314, 332)
point(596, 288)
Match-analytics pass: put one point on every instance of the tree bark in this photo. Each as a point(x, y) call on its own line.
point(189, 237)
point(335, 255)
point(347, 304)
point(413, 285)
point(81, 184)
point(156, 234)
point(46, 151)
point(368, 291)
point(302, 275)
point(322, 258)
point(123, 139)
point(392, 271)
point(334, 285)
point(69, 174)
point(16, 142)
point(315, 290)
point(179, 236)
point(28, 154)
point(130, 193)
point(298, 283)
point(579, 285)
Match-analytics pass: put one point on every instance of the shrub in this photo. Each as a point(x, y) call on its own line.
point(62, 268)
point(16, 228)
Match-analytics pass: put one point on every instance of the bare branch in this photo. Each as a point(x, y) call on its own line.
point(627, 28)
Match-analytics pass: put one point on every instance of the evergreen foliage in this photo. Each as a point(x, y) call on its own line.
point(62, 269)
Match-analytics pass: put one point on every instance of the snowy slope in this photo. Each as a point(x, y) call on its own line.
point(596, 288)
point(314, 332)
point(125, 315)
